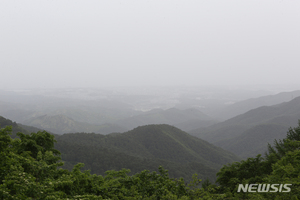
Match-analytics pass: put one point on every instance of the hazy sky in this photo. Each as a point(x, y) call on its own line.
point(95, 43)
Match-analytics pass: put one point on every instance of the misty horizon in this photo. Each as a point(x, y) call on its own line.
point(73, 44)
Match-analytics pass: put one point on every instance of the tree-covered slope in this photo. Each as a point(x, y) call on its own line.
point(99, 160)
point(15, 127)
point(145, 147)
point(279, 166)
point(170, 143)
point(87, 148)
point(254, 140)
point(30, 168)
point(159, 142)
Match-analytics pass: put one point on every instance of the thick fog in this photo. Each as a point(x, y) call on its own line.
point(57, 44)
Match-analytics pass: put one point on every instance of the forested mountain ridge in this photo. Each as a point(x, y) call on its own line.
point(99, 160)
point(149, 145)
point(15, 127)
point(146, 147)
point(157, 141)
point(165, 138)
point(258, 127)
point(30, 168)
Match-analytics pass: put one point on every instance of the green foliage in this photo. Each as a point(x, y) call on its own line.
point(15, 128)
point(30, 170)
point(280, 165)
point(146, 147)
point(253, 170)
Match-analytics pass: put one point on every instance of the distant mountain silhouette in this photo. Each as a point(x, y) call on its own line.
point(248, 134)
point(60, 124)
point(186, 119)
point(249, 104)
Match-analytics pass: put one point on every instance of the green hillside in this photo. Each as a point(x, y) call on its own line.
point(99, 160)
point(31, 169)
point(157, 141)
point(147, 147)
point(162, 141)
point(259, 137)
point(15, 127)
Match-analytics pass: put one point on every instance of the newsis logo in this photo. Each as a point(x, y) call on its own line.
point(264, 188)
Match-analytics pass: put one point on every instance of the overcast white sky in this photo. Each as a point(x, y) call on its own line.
point(95, 43)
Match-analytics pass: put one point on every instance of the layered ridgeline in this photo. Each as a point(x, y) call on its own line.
point(65, 111)
point(145, 147)
point(248, 134)
point(65, 115)
point(187, 119)
point(76, 104)
point(61, 124)
point(244, 106)
point(30, 170)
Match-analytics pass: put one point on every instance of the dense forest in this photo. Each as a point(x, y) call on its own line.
point(144, 148)
point(31, 168)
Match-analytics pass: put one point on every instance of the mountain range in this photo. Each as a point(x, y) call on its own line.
point(244, 106)
point(163, 144)
point(143, 140)
point(248, 134)
point(61, 124)
point(186, 119)
point(145, 147)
